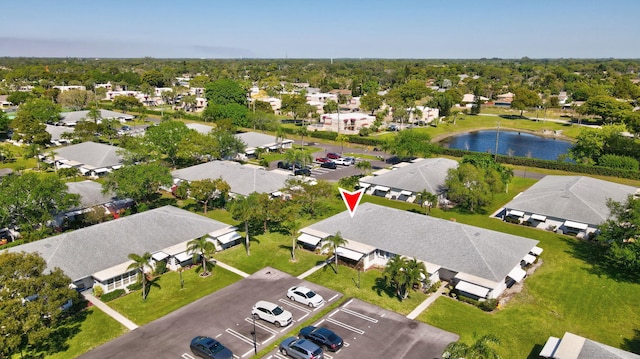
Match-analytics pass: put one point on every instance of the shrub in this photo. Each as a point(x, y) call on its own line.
point(488, 305)
point(98, 291)
point(161, 268)
point(615, 161)
point(433, 287)
point(107, 297)
point(135, 286)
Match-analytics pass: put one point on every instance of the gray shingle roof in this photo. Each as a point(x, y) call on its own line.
point(57, 131)
point(255, 139)
point(573, 346)
point(94, 154)
point(85, 251)
point(428, 174)
point(576, 198)
point(462, 248)
point(203, 129)
point(90, 193)
point(243, 179)
point(77, 116)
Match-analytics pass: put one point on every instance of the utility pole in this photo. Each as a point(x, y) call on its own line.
point(495, 154)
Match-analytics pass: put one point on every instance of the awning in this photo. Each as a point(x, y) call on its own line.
point(229, 237)
point(101, 170)
point(276, 194)
point(183, 257)
point(106, 274)
point(517, 274)
point(472, 289)
point(539, 217)
point(349, 254)
point(381, 188)
point(158, 256)
point(529, 259)
point(576, 225)
point(406, 193)
point(250, 152)
point(364, 185)
point(309, 239)
point(536, 251)
point(550, 347)
point(513, 212)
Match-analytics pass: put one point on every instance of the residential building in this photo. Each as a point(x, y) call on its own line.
point(573, 346)
point(72, 118)
point(343, 122)
point(91, 158)
point(479, 262)
point(570, 204)
point(67, 88)
point(255, 140)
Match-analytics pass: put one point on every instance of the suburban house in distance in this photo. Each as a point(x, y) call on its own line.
point(479, 262)
point(255, 140)
point(91, 196)
point(97, 255)
point(56, 134)
point(91, 158)
point(573, 346)
point(406, 180)
point(571, 204)
point(243, 179)
point(345, 122)
point(72, 118)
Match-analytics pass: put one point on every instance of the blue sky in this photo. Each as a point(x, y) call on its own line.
point(321, 29)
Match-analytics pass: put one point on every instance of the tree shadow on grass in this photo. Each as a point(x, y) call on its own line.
point(632, 344)
point(595, 254)
point(383, 290)
point(57, 340)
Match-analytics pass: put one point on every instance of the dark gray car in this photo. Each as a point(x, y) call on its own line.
point(209, 348)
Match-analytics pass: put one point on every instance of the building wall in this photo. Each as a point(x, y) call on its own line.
point(118, 282)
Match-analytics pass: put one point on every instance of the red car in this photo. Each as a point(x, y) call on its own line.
point(323, 159)
point(333, 156)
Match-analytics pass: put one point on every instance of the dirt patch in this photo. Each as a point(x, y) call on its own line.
point(517, 288)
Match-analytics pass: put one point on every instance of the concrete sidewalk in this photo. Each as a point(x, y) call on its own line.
point(424, 305)
point(312, 270)
point(110, 312)
point(232, 269)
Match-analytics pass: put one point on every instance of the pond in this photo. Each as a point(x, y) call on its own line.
point(510, 143)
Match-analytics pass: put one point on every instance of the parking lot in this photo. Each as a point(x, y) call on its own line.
point(224, 315)
point(372, 332)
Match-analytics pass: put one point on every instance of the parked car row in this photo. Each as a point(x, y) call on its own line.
point(337, 159)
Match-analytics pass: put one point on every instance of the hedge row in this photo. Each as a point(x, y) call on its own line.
point(549, 164)
point(107, 297)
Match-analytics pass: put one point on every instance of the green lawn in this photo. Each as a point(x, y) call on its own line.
point(88, 330)
point(371, 289)
point(271, 249)
point(169, 297)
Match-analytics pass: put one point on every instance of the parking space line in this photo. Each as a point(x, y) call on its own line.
point(240, 336)
point(336, 311)
point(295, 305)
point(356, 314)
point(262, 326)
point(334, 297)
point(347, 303)
point(245, 354)
point(345, 326)
point(187, 356)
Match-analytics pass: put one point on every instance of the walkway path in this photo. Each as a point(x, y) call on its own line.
point(312, 270)
point(232, 269)
point(112, 313)
point(423, 306)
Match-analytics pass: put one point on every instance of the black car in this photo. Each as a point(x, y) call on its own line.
point(324, 337)
point(205, 347)
point(332, 165)
point(302, 172)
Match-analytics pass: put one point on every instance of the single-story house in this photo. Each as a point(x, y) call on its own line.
point(67, 88)
point(243, 179)
point(406, 180)
point(571, 204)
point(255, 140)
point(347, 122)
point(98, 255)
point(72, 118)
point(91, 195)
point(56, 134)
point(573, 346)
point(91, 158)
point(479, 262)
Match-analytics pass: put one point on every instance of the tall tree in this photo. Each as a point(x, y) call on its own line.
point(25, 275)
point(243, 209)
point(371, 102)
point(427, 199)
point(402, 273)
point(228, 144)
point(202, 249)
point(226, 92)
point(76, 99)
point(31, 200)
point(154, 78)
point(332, 243)
point(606, 107)
point(467, 187)
point(138, 182)
point(126, 103)
point(621, 234)
point(141, 263)
point(207, 190)
point(524, 99)
point(165, 139)
point(40, 110)
point(409, 144)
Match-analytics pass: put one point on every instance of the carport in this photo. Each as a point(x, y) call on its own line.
point(474, 290)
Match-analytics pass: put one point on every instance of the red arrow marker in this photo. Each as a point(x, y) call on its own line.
point(351, 199)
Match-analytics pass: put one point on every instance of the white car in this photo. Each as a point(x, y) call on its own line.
point(305, 296)
point(272, 313)
point(342, 161)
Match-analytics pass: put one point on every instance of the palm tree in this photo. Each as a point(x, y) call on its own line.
point(416, 272)
point(364, 166)
point(302, 131)
point(341, 139)
point(402, 273)
point(243, 210)
point(332, 243)
point(293, 226)
point(281, 135)
point(427, 199)
point(298, 156)
point(203, 248)
point(141, 263)
point(94, 114)
point(480, 349)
